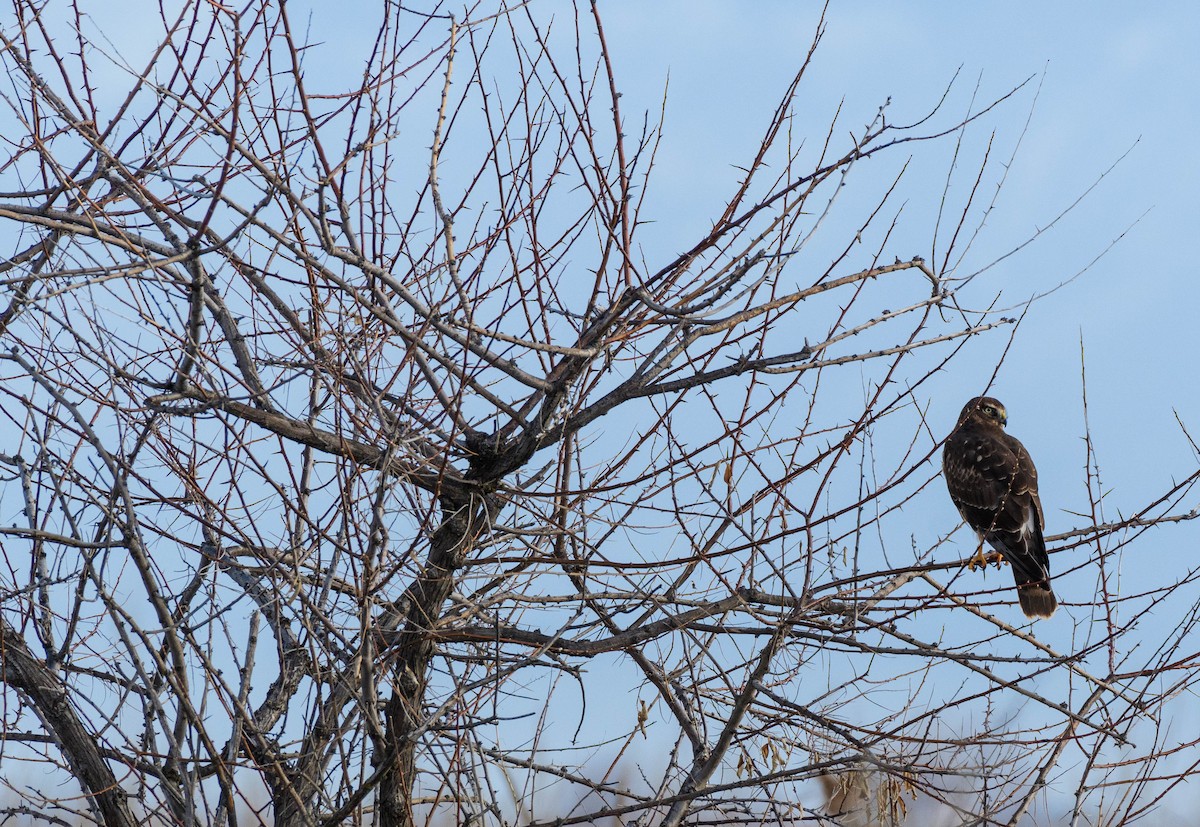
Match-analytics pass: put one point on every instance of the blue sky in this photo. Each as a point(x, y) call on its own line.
point(1110, 82)
point(1112, 79)
point(1113, 83)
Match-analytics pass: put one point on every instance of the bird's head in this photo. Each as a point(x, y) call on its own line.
point(984, 409)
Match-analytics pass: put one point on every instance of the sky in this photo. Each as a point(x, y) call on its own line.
point(1118, 85)
point(1110, 111)
point(1113, 86)
point(1111, 107)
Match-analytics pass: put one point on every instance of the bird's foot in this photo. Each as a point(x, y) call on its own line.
point(981, 559)
point(978, 559)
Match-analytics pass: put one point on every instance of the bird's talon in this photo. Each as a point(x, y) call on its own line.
point(982, 559)
point(978, 559)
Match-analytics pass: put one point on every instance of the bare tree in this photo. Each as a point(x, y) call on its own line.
point(367, 459)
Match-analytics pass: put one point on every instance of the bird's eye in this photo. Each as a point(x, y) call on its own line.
point(988, 409)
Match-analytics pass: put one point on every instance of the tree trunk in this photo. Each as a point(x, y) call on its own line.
point(463, 522)
point(19, 668)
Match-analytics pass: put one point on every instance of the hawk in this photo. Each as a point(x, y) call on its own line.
point(994, 485)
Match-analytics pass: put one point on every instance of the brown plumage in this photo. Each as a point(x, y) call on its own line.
point(994, 485)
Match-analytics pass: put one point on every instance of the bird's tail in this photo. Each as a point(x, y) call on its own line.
point(1037, 600)
point(1032, 576)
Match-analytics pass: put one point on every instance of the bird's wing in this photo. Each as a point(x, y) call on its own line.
point(979, 473)
point(1017, 529)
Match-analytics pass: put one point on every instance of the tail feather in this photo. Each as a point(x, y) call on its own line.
point(1031, 574)
point(1037, 600)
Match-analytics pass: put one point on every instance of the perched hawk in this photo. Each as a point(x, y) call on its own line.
point(994, 484)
